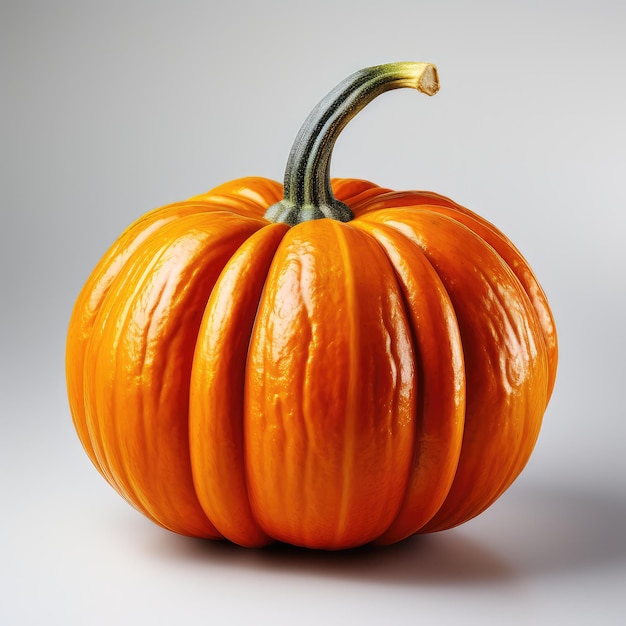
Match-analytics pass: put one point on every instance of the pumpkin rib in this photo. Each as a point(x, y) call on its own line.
point(216, 410)
point(356, 192)
point(256, 192)
point(298, 429)
point(115, 462)
point(96, 426)
point(523, 439)
point(520, 267)
point(267, 412)
point(441, 381)
point(350, 425)
point(85, 309)
point(109, 308)
point(356, 341)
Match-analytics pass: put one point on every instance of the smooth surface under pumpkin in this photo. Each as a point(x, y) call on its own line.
point(321, 364)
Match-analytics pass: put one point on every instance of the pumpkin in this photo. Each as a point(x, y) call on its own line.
point(326, 363)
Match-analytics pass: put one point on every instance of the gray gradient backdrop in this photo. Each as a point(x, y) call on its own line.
point(109, 109)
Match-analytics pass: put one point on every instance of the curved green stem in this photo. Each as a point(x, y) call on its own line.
point(308, 194)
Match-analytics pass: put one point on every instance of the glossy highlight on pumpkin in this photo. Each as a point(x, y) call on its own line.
point(238, 372)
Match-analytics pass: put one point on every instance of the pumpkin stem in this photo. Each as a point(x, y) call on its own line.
point(308, 194)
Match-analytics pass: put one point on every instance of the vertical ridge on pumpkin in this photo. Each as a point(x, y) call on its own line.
point(328, 461)
point(87, 306)
point(269, 409)
point(439, 365)
point(217, 390)
point(509, 253)
point(251, 193)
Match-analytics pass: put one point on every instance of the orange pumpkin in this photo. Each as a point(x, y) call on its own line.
point(320, 364)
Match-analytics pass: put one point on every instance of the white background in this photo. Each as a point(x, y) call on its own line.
point(110, 109)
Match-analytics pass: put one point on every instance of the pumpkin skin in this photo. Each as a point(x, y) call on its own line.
point(326, 384)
